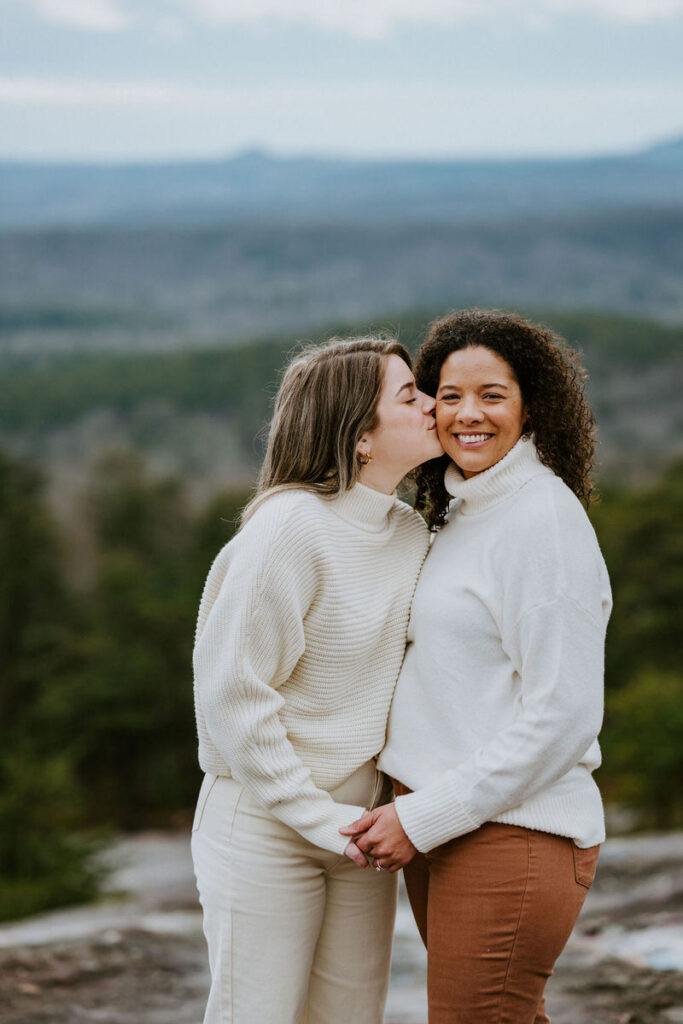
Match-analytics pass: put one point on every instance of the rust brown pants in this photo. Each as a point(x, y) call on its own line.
point(495, 909)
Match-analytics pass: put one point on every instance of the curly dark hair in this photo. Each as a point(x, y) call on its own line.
point(551, 378)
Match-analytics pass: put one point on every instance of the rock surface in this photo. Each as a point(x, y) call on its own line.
point(139, 958)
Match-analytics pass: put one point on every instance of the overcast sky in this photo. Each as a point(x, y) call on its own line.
point(155, 79)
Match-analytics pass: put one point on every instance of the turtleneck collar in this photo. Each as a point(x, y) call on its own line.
point(500, 481)
point(364, 507)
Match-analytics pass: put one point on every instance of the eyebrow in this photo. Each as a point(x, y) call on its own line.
point(483, 387)
point(408, 384)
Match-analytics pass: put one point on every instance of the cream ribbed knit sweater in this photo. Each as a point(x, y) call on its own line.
point(499, 701)
point(300, 639)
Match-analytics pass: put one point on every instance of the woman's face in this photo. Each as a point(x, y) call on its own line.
point(405, 435)
point(479, 409)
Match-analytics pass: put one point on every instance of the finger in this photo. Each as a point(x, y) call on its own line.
point(364, 843)
point(385, 853)
point(390, 867)
point(371, 837)
point(356, 856)
point(360, 825)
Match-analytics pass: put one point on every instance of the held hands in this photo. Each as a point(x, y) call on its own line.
point(379, 834)
point(355, 854)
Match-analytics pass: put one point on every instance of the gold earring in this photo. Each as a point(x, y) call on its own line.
point(364, 458)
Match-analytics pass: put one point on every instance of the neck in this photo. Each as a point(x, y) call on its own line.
point(365, 507)
point(379, 479)
point(482, 490)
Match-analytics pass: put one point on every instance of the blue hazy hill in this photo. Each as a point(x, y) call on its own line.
point(255, 183)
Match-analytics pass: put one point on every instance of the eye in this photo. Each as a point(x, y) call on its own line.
point(492, 395)
point(411, 400)
point(450, 398)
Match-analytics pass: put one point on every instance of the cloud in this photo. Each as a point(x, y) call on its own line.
point(618, 10)
point(33, 91)
point(376, 18)
point(93, 93)
point(88, 15)
point(369, 19)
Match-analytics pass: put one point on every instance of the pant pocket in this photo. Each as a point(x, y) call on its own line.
point(585, 864)
point(208, 782)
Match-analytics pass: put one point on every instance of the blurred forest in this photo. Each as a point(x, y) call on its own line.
point(145, 315)
point(99, 597)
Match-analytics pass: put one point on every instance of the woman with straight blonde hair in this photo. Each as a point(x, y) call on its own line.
point(300, 638)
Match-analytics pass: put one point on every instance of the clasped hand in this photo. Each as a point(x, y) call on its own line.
point(380, 835)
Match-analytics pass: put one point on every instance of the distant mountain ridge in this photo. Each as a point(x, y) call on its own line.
point(256, 184)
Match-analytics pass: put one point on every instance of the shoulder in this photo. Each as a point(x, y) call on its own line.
point(412, 537)
point(283, 510)
point(278, 542)
point(284, 522)
point(407, 518)
point(550, 541)
point(546, 508)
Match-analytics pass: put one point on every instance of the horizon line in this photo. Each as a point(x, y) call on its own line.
point(277, 155)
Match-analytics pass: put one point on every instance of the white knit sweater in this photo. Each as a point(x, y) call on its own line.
point(300, 638)
point(499, 702)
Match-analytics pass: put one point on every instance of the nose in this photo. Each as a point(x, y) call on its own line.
point(428, 404)
point(469, 410)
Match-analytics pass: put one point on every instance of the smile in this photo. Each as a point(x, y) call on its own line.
point(472, 440)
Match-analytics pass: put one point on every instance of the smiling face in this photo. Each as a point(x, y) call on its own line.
point(480, 413)
point(405, 435)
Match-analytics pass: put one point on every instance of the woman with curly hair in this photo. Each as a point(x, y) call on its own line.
point(493, 729)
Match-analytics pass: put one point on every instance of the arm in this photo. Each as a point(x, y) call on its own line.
point(251, 640)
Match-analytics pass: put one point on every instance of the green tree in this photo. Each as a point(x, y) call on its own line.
point(642, 746)
point(43, 861)
point(639, 532)
point(131, 704)
point(642, 542)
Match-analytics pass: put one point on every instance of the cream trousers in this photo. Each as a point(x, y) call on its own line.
point(296, 934)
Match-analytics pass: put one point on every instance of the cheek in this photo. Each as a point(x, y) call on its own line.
point(396, 430)
point(444, 417)
point(513, 422)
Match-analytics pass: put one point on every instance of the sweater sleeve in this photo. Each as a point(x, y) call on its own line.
point(250, 641)
point(559, 649)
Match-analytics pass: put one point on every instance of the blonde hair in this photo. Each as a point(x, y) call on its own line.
point(327, 399)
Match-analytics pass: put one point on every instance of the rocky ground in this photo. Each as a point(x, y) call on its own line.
point(137, 957)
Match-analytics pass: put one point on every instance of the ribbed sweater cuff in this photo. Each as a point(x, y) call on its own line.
point(431, 816)
point(327, 835)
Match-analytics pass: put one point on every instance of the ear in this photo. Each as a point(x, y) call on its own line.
point(363, 451)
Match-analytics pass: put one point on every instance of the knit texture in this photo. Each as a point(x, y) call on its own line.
point(300, 638)
point(500, 699)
